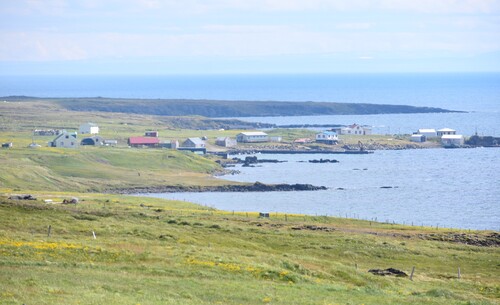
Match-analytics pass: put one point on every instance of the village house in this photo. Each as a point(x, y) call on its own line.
point(428, 133)
point(65, 140)
point(454, 140)
point(225, 142)
point(193, 143)
point(327, 137)
point(88, 128)
point(446, 131)
point(353, 129)
point(143, 141)
point(252, 137)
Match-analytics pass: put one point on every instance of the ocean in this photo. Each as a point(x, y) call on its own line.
point(454, 188)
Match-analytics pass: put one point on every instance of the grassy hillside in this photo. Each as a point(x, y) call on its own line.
point(152, 251)
point(97, 169)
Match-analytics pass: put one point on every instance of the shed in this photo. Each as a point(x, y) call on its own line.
point(417, 138)
point(7, 145)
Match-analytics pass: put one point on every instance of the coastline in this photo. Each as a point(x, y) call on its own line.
point(255, 187)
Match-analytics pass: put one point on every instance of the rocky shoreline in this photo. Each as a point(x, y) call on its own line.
point(255, 187)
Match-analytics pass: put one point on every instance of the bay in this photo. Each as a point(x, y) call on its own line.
point(455, 188)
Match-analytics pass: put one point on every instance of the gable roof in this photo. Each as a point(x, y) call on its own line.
point(196, 141)
point(446, 129)
point(143, 140)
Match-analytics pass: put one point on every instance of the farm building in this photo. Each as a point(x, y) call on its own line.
point(88, 128)
point(252, 137)
point(65, 140)
point(225, 142)
point(143, 141)
point(94, 141)
point(193, 143)
point(327, 137)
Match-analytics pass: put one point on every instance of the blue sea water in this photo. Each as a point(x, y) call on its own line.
point(455, 188)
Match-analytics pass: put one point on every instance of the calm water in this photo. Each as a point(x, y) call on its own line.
point(446, 187)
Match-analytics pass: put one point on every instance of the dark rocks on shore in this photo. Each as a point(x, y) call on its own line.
point(324, 161)
point(256, 187)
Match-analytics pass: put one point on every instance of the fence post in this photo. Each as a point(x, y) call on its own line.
point(48, 231)
point(412, 271)
point(459, 275)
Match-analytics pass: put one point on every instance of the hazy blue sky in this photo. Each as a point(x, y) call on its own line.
point(248, 36)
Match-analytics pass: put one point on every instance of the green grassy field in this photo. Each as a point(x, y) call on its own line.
point(152, 251)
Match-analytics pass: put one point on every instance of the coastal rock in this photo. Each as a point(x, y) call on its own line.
point(256, 187)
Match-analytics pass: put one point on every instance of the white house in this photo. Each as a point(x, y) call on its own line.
point(88, 128)
point(417, 138)
point(65, 140)
point(428, 133)
point(328, 137)
point(252, 137)
point(353, 129)
point(446, 131)
point(452, 140)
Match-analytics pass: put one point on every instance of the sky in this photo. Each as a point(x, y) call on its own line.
point(138, 37)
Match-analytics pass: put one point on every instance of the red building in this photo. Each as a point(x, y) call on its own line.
point(143, 141)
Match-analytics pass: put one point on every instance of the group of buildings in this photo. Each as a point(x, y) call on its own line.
point(447, 136)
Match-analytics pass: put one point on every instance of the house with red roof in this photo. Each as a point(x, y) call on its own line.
point(143, 141)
